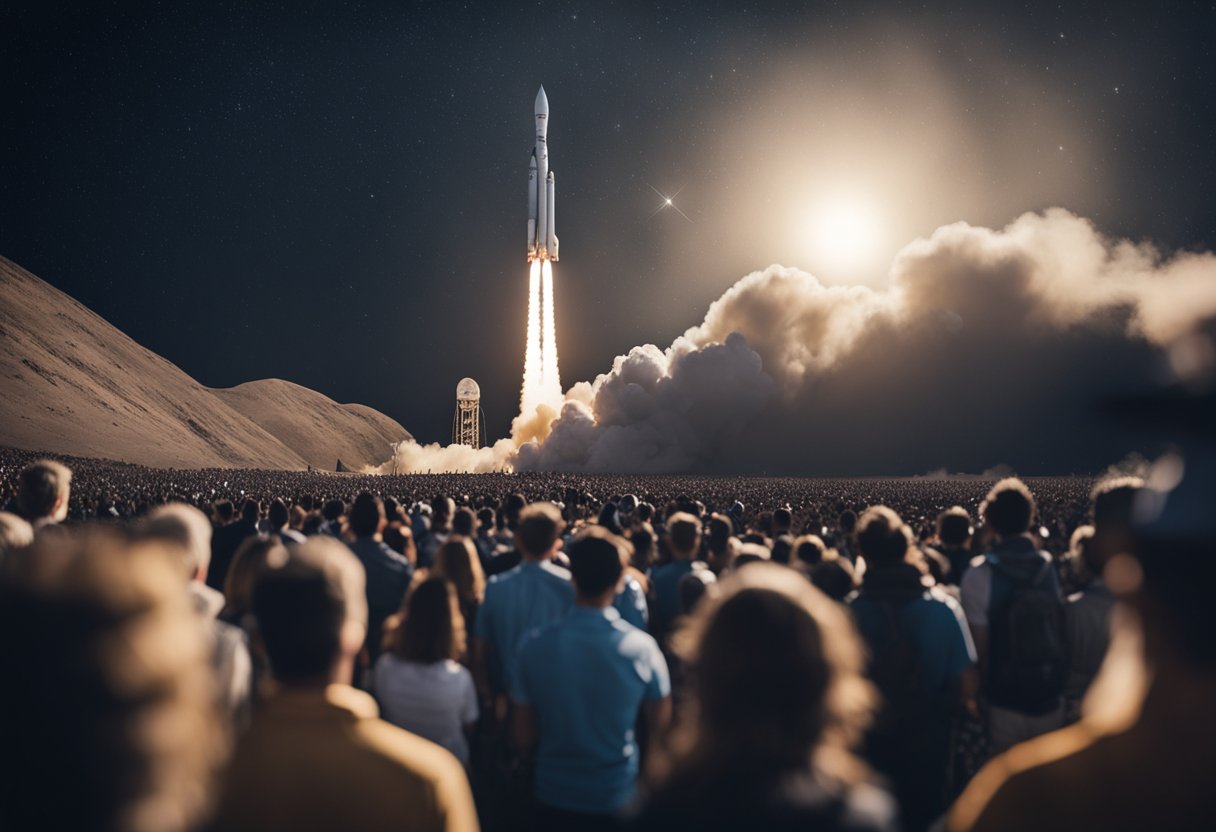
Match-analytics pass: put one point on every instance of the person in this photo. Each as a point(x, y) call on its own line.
point(388, 573)
point(834, 576)
point(1142, 755)
point(457, 561)
point(1087, 612)
point(922, 662)
point(1013, 603)
point(577, 693)
point(44, 490)
point(418, 681)
point(109, 719)
point(227, 539)
point(279, 519)
point(779, 701)
point(683, 543)
point(186, 530)
point(953, 541)
point(531, 595)
point(317, 755)
point(250, 559)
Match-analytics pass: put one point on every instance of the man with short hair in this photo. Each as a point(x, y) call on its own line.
point(227, 539)
point(1013, 603)
point(578, 689)
point(43, 491)
point(954, 541)
point(531, 595)
point(388, 573)
point(279, 519)
point(683, 542)
point(317, 755)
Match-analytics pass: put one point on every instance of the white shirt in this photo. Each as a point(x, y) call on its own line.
point(434, 701)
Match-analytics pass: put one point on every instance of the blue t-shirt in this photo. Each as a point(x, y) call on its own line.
point(665, 591)
point(587, 676)
point(934, 621)
point(518, 601)
point(630, 602)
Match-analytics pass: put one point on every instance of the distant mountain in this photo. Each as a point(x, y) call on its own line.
point(72, 383)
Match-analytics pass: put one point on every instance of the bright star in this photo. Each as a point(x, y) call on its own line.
point(668, 202)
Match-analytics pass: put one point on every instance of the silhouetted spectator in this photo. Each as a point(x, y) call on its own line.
point(780, 700)
point(43, 491)
point(954, 532)
point(317, 756)
point(388, 573)
point(578, 690)
point(227, 539)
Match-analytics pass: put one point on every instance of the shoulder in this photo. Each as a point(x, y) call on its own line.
point(409, 753)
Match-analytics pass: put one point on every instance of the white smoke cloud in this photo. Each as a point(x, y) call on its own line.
point(786, 369)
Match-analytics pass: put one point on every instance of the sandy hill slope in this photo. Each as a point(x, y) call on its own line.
point(72, 383)
point(315, 426)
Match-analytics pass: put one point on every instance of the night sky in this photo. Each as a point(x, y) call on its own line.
point(334, 193)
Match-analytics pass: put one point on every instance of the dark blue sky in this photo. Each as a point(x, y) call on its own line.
point(334, 193)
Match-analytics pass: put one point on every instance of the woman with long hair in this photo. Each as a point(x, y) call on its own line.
point(418, 681)
point(778, 703)
point(457, 561)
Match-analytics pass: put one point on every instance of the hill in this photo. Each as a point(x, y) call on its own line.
point(72, 383)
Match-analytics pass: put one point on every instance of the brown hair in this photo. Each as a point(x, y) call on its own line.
point(457, 561)
point(431, 626)
point(250, 560)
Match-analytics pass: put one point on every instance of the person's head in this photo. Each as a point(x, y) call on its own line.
point(609, 518)
point(783, 521)
point(311, 613)
point(597, 564)
point(486, 520)
point(834, 576)
point(1080, 554)
point(15, 533)
point(693, 587)
point(882, 538)
point(366, 516)
point(1009, 508)
point(43, 491)
point(642, 538)
point(539, 531)
point(512, 508)
point(464, 522)
point(809, 549)
point(442, 509)
point(187, 530)
point(251, 511)
point(1114, 503)
point(333, 510)
point(457, 561)
point(954, 527)
point(114, 699)
point(431, 628)
point(847, 522)
point(247, 564)
point(721, 529)
point(783, 548)
point(224, 511)
point(278, 515)
point(683, 535)
point(778, 679)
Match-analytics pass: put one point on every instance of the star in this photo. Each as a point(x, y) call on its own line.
point(668, 202)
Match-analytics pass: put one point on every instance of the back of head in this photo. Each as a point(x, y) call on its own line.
point(1009, 507)
point(882, 536)
point(433, 627)
point(783, 548)
point(954, 527)
point(110, 697)
point(693, 587)
point(187, 530)
point(783, 519)
point(809, 549)
point(333, 509)
point(43, 489)
point(250, 559)
point(834, 577)
point(457, 561)
point(540, 525)
point(277, 514)
point(464, 522)
point(597, 561)
point(366, 516)
point(683, 535)
point(225, 511)
point(720, 531)
point(250, 511)
point(302, 606)
point(1114, 503)
point(778, 674)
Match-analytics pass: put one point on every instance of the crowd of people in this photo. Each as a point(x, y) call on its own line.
point(234, 649)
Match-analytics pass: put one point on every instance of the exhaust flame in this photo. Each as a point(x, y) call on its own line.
point(550, 379)
point(533, 368)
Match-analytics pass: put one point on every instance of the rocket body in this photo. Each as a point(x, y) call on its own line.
point(542, 236)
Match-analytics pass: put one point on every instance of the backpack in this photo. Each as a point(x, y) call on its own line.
point(1028, 660)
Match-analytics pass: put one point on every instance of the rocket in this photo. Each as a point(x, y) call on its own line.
point(542, 239)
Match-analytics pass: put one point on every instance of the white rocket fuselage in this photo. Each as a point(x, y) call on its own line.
point(542, 238)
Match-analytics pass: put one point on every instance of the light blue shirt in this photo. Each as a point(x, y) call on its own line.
point(665, 592)
point(587, 677)
point(532, 595)
point(630, 602)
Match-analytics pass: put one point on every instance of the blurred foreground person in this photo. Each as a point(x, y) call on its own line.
point(1144, 754)
point(779, 701)
point(579, 688)
point(15, 533)
point(317, 756)
point(108, 722)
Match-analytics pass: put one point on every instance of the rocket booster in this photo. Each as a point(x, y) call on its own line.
point(542, 239)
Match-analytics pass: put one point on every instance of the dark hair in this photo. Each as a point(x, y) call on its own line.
point(225, 510)
point(301, 605)
point(954, 526)
point(720, 531)
point(464, 522)
point(848, 521)
point(40, 486)
point(783, 548)
point(432, 628)
point(597, 560)
point(1114, 504)
point(333, 509)
point(1009, 507)
point(539, 527)
point(809, 549)
point(882, 537)
point(250, 510)
point(693, 587)
point(683, 534)
point(278, 514)
point(251, 557)
point(783, 518)
point(834, 577)
point(366, 515)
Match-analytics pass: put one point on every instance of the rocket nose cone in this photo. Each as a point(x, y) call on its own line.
point(542, 103)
